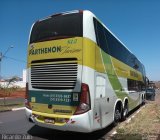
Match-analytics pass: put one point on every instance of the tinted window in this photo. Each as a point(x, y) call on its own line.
point(61, 26)
point(100, 36)
point(116, 49)
point(113, 47)
point(150, 90)
point(134, 85)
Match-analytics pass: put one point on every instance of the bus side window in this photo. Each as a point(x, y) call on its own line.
point(100, 36)
point(100, 86)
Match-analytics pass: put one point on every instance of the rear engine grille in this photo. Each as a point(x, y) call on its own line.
point(58, 74)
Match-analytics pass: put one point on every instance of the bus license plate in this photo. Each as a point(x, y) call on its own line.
point(49, 120)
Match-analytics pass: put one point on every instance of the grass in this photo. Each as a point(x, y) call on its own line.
point(16, 101)
point(145, 124)
point(10, 106)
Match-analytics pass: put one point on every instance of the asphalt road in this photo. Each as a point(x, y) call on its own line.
point(15, 122)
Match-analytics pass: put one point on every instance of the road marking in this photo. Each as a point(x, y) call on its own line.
point(133, 116)
point(20, 108)
point(128, 120)
point(115, 132)
point(138, 111)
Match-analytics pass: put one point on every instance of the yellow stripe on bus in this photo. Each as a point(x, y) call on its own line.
point(87, 53)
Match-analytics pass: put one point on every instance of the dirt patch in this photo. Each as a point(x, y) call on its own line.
point(145, 124)
point(15, 93)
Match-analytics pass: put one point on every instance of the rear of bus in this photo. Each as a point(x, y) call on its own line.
point(56, 95)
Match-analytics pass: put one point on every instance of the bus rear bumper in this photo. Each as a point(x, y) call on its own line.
point(77, 123)
point(29, 116)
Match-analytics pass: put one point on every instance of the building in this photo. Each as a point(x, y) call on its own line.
point(18, 81)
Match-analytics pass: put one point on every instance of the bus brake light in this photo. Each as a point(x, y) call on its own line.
point(84, 105)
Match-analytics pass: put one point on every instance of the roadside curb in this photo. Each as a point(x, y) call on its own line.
point(13, 109)
point(16, 109)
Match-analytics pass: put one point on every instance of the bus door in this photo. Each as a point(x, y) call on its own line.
point(101, 99)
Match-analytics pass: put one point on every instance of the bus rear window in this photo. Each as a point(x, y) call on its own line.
point(62, 26)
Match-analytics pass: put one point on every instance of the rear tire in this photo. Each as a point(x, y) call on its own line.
point(125, 112)
point(117, 116)
point(143, 100)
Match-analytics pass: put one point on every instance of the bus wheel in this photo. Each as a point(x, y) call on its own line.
point(117, 116)
point(143, 100)
point(125, 112)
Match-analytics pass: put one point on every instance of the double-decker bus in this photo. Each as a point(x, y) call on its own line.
point(81, 77)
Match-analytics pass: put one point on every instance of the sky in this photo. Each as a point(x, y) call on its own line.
point(136, 23)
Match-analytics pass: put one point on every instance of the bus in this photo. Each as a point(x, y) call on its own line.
point(80, 76)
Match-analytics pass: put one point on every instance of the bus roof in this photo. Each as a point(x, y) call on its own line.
point(91, 14)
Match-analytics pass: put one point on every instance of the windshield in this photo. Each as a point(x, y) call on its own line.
point(150, 90)
point(56, 27)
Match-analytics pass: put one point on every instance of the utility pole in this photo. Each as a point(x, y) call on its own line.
point(0, 65)
point(1, 58)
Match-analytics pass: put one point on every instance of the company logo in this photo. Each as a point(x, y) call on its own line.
point(45, 50)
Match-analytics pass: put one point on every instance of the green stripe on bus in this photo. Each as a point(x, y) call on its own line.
point(113, 78)
point(112, 75)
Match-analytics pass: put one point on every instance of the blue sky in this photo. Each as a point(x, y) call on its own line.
point(136, 23)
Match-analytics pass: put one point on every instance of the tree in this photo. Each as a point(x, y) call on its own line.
point(8, 89)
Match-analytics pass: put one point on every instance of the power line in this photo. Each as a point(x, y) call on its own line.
point(18, 60)
point(7, 51)
point(1, 57)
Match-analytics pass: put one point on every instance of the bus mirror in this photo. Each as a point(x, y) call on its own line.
point(146, 81)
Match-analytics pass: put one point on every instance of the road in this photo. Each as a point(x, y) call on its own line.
point(15, 122)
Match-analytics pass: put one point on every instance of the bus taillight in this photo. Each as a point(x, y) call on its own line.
point(84, 105)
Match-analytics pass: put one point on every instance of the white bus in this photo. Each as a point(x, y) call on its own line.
point(80, 76)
